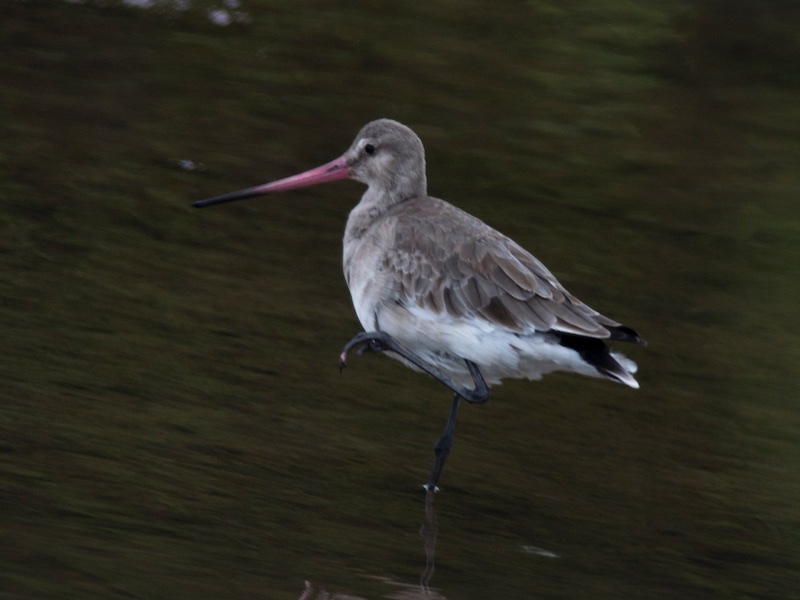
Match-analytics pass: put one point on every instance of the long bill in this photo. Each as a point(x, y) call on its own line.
point(332, 171)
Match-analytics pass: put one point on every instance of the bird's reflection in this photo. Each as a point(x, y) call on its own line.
point(429, 530)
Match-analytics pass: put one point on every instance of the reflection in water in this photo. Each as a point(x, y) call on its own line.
point(312, 593)
point(429, 530)
point(411, 592)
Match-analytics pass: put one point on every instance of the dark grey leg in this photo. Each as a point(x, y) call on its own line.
point(379, 341)
point(442, 447)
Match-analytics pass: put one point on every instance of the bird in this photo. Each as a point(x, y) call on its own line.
point(445, 293)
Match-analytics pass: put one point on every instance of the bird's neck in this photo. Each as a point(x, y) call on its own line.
point(373, 205)
point(366, 212)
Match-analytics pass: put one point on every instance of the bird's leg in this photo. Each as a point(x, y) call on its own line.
point(442, 448)
point(481, 392)
point(380, 341)
point(443, 445)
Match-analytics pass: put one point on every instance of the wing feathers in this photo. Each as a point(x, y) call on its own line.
point(446, 261)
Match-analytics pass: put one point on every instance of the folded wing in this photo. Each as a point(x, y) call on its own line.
point(485, 275)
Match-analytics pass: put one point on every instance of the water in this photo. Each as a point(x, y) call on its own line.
point(173, 421)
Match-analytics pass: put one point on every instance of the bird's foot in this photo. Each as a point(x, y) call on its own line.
point(372, 346)
point(368, 342)
point(429, 488)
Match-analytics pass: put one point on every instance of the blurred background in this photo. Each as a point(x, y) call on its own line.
point(173, 423)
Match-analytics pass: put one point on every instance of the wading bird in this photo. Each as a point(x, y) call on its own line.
point(444, 293)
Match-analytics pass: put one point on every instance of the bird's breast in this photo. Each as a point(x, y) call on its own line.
point(362, 263)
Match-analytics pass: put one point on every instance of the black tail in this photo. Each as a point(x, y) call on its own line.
point(626, 334)
point(595, 352)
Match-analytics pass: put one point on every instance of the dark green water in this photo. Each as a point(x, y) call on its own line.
point(172, 420)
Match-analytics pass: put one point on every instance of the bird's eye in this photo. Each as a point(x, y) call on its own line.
point(369, 149)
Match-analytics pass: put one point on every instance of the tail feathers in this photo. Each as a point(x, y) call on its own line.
point(609, 364)
point(626, 334)
point(624, 371)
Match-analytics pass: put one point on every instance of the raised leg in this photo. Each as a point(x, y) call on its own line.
point(442, 447)
point(380, 341)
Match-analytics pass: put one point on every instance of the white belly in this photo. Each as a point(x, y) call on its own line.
point(446, 342)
